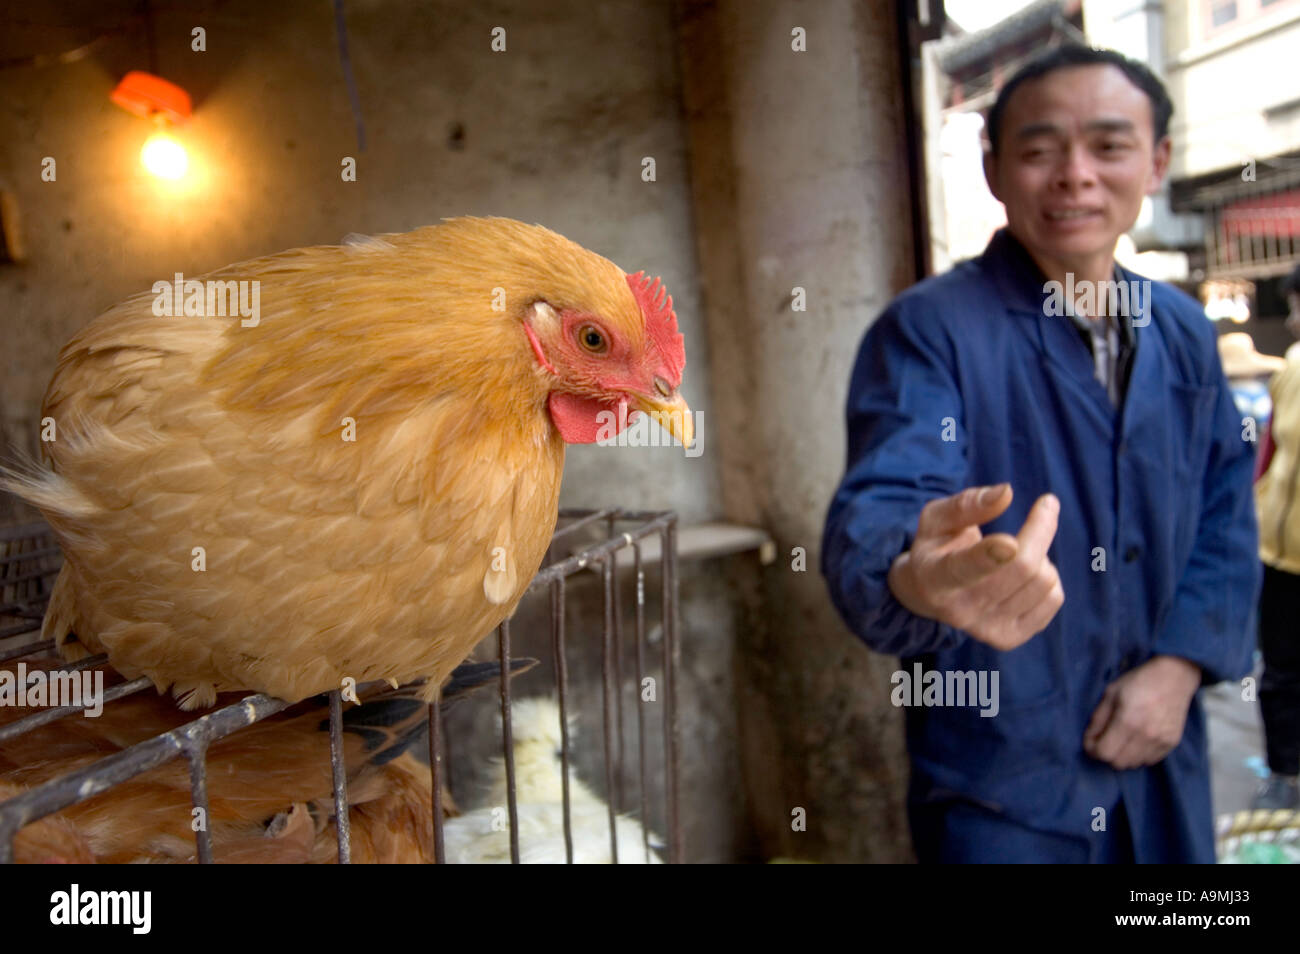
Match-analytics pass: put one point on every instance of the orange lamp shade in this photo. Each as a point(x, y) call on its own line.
point(145, 95)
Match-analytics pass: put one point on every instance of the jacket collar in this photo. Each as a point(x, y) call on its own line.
point(1018, 277)
point(1020, 282)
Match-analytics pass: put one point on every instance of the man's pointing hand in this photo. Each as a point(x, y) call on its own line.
point(1000, 589)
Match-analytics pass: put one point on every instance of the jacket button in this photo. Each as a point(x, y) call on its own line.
point(1131, 554)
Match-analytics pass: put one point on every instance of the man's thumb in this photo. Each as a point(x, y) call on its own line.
point(970, 508)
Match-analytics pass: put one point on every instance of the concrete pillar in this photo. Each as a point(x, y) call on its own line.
point(799, 183)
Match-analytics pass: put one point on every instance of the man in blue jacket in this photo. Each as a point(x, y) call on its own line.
point(1048, 489)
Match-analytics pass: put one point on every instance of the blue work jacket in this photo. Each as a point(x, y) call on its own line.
point(967, 379)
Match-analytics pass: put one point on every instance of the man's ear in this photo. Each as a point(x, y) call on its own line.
point(991, 171)
point(1159, 165)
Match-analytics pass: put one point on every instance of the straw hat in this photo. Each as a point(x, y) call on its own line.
point(1241, 360)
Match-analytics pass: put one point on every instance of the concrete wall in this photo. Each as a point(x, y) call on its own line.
point(800, 180)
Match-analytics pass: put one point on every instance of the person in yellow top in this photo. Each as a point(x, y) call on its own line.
point(1277, 501)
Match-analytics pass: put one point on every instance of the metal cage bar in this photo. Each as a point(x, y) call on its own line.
point(436, 767)
point(608, 691)
point(507, 739)
point(562, 689)
point(24, 588)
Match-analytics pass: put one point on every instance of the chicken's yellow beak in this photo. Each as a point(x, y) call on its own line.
point(670, 413)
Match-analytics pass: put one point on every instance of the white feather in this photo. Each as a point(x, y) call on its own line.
point(483, 837)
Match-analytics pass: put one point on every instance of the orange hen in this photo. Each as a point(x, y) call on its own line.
point(359, 481)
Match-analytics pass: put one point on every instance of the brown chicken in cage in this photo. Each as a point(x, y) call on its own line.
point(270, 790)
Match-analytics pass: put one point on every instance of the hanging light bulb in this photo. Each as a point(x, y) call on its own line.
point(147, 95)
point(164, 157)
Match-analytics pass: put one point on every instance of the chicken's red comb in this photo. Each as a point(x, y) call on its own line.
point(660, 322)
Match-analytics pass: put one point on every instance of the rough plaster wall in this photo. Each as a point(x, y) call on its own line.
point(800, 181)
point(551, 131)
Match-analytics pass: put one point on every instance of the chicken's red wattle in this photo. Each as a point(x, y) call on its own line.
point(582, 420)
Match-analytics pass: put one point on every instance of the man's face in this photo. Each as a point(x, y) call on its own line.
point(1076, 156)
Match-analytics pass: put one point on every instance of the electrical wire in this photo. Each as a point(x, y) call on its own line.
point(341, 27)
point(56, 59)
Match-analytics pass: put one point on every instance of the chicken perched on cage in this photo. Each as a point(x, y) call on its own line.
point(359, 480)
point(270, 787)
point(482, 836)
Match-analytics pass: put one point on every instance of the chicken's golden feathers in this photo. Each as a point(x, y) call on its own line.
point(338, 461)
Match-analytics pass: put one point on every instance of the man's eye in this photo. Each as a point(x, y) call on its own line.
point(591, 339)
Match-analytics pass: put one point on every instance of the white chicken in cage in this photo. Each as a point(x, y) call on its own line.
point(482, 836)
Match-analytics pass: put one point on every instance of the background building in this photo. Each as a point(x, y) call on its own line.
point(1226, 223)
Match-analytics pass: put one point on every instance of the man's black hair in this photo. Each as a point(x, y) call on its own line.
point(1073, 54)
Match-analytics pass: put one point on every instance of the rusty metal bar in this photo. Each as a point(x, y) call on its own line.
point(616, 796)
point(30, 649)
point(55, 713)
point(507, 739)
point(584, 520)
point(19, 556)
point(593, 554)
point(26, 577)
point(17, 630)
point(85, 662)
point(609, 690)
point(436, 770)
point(25, 531)
point(640, 703)
point(342, 820)
point(25, 610)
point(562, 688)
point(672, 657)
point(198, 759)
point(30, 613)
point(448, 758)
point(625, 516)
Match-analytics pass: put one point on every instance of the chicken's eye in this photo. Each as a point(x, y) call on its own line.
point(591, 339)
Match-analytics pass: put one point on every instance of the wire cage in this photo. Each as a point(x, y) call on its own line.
point(608, 542)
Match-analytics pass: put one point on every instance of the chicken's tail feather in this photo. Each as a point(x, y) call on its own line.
point(53, 495)
point(393, 721)
point(469, 676)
